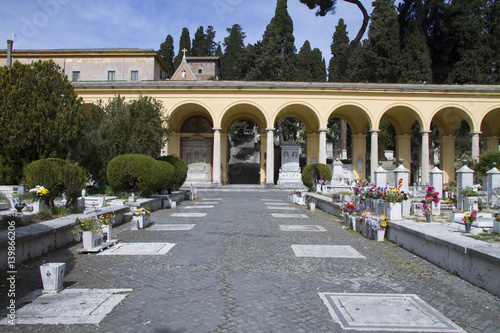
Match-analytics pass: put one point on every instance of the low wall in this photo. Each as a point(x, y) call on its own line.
point(472, 260)
point(40, 238)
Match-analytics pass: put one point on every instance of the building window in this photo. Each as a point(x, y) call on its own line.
point(134, 76)
point(76, 75)
point(200, 70)
point(111, 75)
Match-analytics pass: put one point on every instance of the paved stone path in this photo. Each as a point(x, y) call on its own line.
point(235, 271)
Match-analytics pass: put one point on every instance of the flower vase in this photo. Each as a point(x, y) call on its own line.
point(380, 234)
point(37, 206)
point(467, 227)
point(427, 217)
point(106, 232)
point(91, 240)
point(393, 210)
point(312, 206)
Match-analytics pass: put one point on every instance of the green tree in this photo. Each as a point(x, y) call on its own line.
point(278, 60)
point(383, 42)
point(167, 53)
point(184, 43)
point(40, 116)
point(234, 50)
point(415, 64)
point(135, 127)
point(340, 43)
point(310, 65)
point(328, 6)
point(493, 31)
point(200, 44)
point(470, 61)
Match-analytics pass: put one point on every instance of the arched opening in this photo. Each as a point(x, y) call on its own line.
point(244, 153)
point(490, 129)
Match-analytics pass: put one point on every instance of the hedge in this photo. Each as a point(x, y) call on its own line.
point(58, 176)
point(315, 171)
point(180, 172)
point(140, 174)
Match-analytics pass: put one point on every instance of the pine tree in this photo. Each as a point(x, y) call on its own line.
point(211, 44)
point(415, 62)
point(184, 43)
point(234, 49)
point(383, 36)
point(493, 24)
point(167, 53)
point(357, 68)
point(340, 43)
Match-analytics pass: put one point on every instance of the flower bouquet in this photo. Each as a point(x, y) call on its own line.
point(468, 219)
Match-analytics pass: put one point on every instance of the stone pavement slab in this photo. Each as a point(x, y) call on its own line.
point(386, 312)
point(302, 228)
point(326, 251)
point(170, 227)
point(138, 249)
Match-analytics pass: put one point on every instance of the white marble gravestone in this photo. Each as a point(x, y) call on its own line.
point(197, 153)
point(290, 173)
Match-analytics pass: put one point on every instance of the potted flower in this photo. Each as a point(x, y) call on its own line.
point(431, 197)
point(106, 222)
point(379, 228)
point(88, 229)
point(393, 198)
point(470, 197)
point(468, 219)
point(38, 196)
point(311, 202)
point(319, 184)
point(142, 217)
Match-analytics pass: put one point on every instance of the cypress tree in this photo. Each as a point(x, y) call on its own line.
point(167, 53)
point(184, 43)
point(234, 49)
point(340, 43)
point(470, 61)
point(415, 63)
point(383, 36)
point(199, 46)
point(310, 66)
point(211, 44)
point(493, 24)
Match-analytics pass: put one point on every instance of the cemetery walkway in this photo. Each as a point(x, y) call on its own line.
point(248, 261)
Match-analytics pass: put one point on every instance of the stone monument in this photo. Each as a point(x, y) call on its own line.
point(197, 153)
point(290, 173)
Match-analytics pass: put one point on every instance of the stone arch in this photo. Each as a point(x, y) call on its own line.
point(300, 110)
point(402, 117)
point(490, 128)
point(180, 113)
point(448, 117)
point(354, 114)
point(243, 110)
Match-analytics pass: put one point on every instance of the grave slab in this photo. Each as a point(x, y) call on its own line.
point(170, 227)
point(276, 203)
point(301, 228)
point(280, 207)
point(272, 200)
point(212, 199)
point(206, 203)
point(142, 249)
point(386, 312)
point(189, 215)
point(292, 216)
point(199, 207)
point(70, 306)
point(326, 251)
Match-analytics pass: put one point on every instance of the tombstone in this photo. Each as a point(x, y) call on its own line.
point(436, 180)
point(290, 173)
point(197, 153)
point(380, 176)
point(493, 182)
point(465, 177)
point(403, 173)
point(337, 173)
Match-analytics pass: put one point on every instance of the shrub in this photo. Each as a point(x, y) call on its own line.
point(180, 171)
point(58, 176)
point(315, 171)
point(139, 174)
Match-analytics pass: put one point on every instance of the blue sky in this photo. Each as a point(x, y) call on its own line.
point(51, 24)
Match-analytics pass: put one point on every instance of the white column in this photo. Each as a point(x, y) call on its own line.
point(322, 146)
point(373, 154)
point(270, 156)
point(475, 145)
point(424, 158)
point(217, 159)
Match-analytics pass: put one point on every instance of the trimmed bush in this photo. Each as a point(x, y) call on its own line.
point(139, 174)
point(180, 171)
point(58, 176)
point(315, 171)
